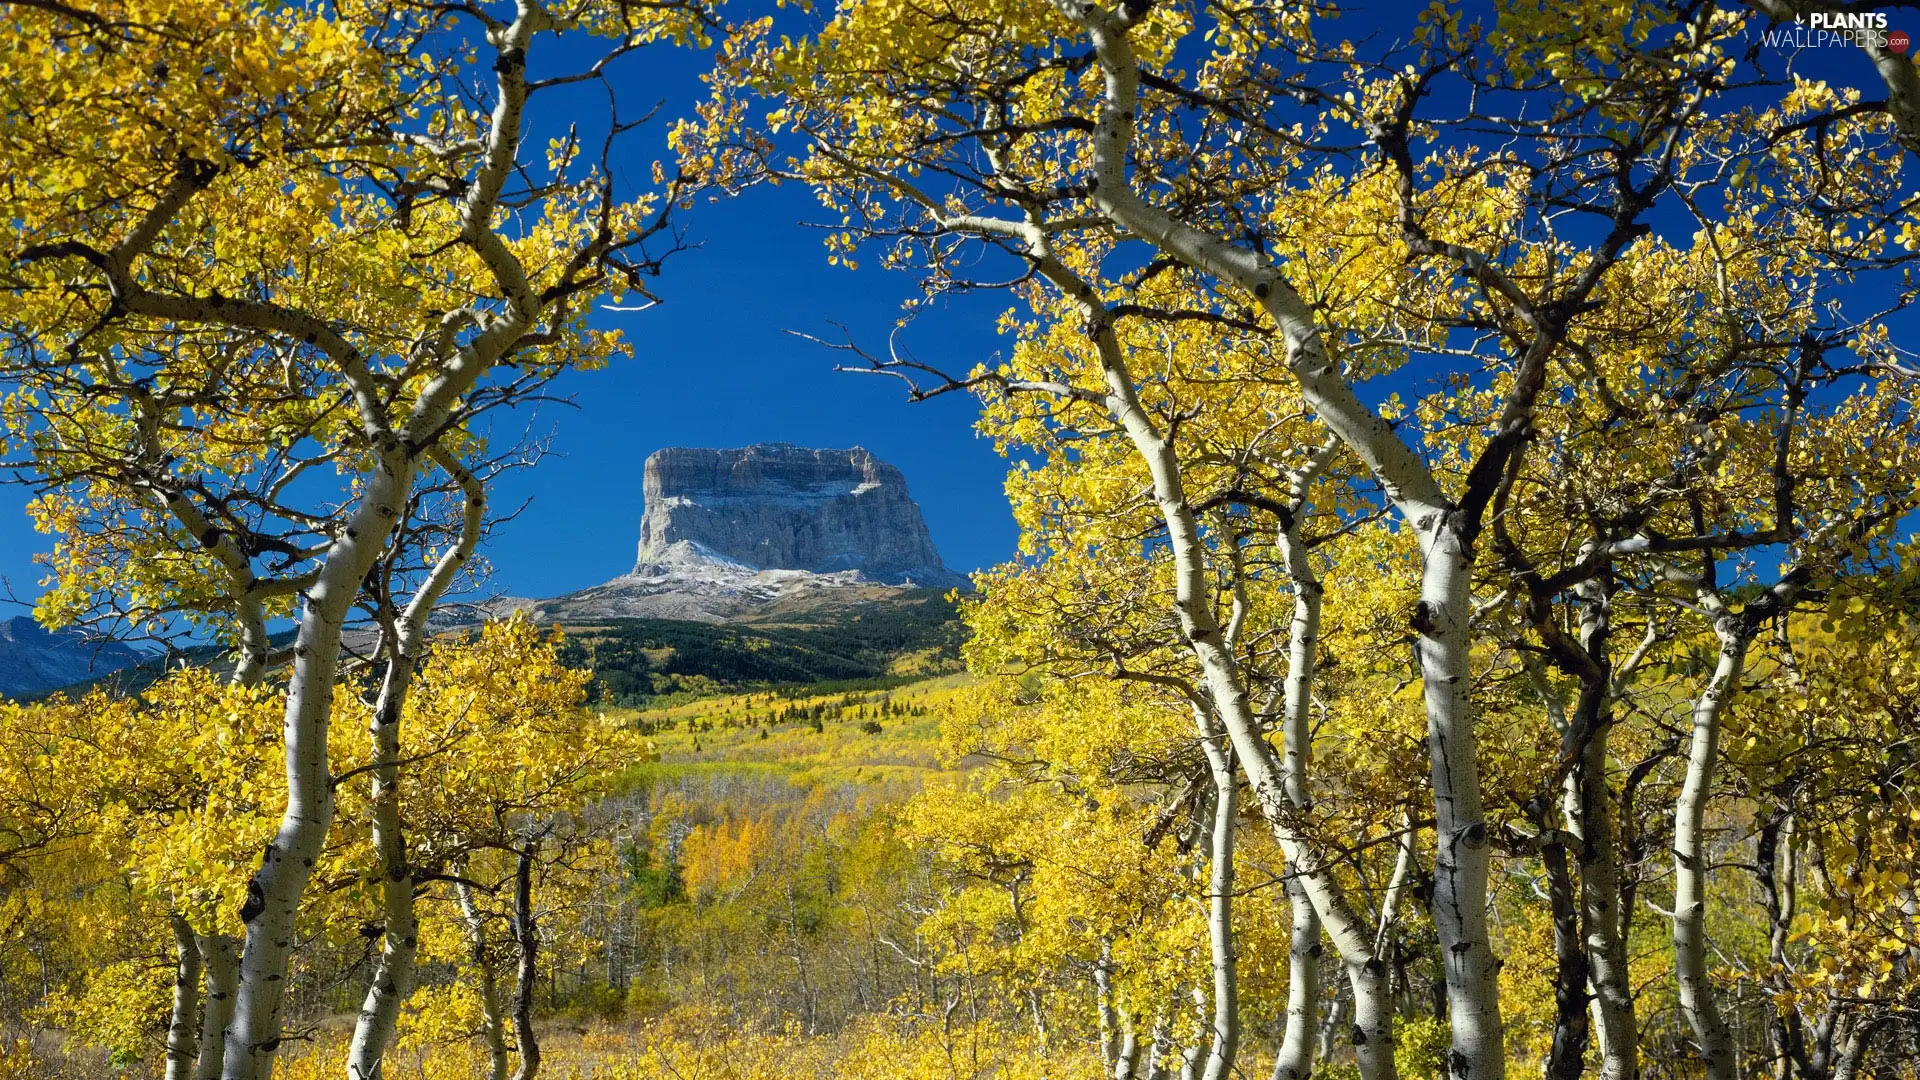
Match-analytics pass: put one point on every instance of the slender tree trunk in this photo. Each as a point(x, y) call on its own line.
point(1294, 1061)
point(1462, 851)
point(1040, 1031)
point(493, 1025)
point(1109, 1017)
point(1158, 1047)
point(1697, 1003)
point(1397, 883)
point(527, 937)
point(1220, 932)
point(1591, 819)
point(393, 973)
point(1461, 863)
point(1853, 1050)
point(1571, 1023)
point(393, 976)
point(1601, 908)
point(1334, 1017)
point(220, 957)
point(1373, 1036)
point(1126, 1057)
point(183, 1022)
point(1413, 489)
point(273, 895)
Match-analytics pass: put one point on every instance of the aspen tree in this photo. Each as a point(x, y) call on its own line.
point(311, 185)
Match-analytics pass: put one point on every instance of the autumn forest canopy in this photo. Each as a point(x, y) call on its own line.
point(1465, 620)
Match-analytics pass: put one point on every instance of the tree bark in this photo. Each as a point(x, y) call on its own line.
point(1228, 695)
point(1295, 1058)
point(183, 1021)
point(1461, 863)
point(1601, 908)
point(1109, 1016)
point(1126, 1055)
point(1220, 932)
point(493, 1025)
point(220, 957)
point(1697, 1002)
point(393, 976)
point(526, 936)
point(1853, 1049)
point(1330, 1022)
point(1590, 819)
point(1571, 1022)
point(273, 896)
point(1294, 1061)
point(1461, 848)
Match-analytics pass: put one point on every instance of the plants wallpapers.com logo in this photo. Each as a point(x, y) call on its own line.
point(1849, 29)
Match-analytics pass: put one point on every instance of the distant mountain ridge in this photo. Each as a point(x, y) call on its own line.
point(744, 532)
point(805, 564)
point(34, 660)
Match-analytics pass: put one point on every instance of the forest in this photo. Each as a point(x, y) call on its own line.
point(1463, 623)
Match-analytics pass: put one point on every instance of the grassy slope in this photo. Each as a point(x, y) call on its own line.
point(745, 733)
point(875, 646)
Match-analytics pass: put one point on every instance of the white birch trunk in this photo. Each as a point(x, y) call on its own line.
point(1220, 933)
point(1303, 649)
point(393, 977)
point(1462, 861)
point(492, 1024)
point(1697, 1003)
point(273, 896)
point(1294, 1061)
point(1373, 1037)
point(1125, 1057)
point(183, 1020)
point(220, 957)
point(1109, 1017)
point(1295, 1058)
point(1158, 1050)
point(1462, 850)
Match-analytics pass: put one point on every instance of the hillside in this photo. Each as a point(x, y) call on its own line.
point(886, 642)
point(34, 661)
point(810, 739)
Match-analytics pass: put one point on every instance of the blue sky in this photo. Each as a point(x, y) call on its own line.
point(715, 366)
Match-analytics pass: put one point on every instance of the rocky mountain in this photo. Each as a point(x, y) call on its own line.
point(764, 530)
point(34, 660)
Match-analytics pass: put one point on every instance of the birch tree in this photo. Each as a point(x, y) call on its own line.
point(1069, 128)
point(313, 183)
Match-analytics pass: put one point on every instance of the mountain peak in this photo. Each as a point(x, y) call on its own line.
point(34, 660)
point(760, 530)
point(776, 506)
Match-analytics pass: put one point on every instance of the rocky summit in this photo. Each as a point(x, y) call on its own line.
point(765, 529)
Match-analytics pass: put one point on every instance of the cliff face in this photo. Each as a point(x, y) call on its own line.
point(781, 507)
point(766, 532)
point(34, 660)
